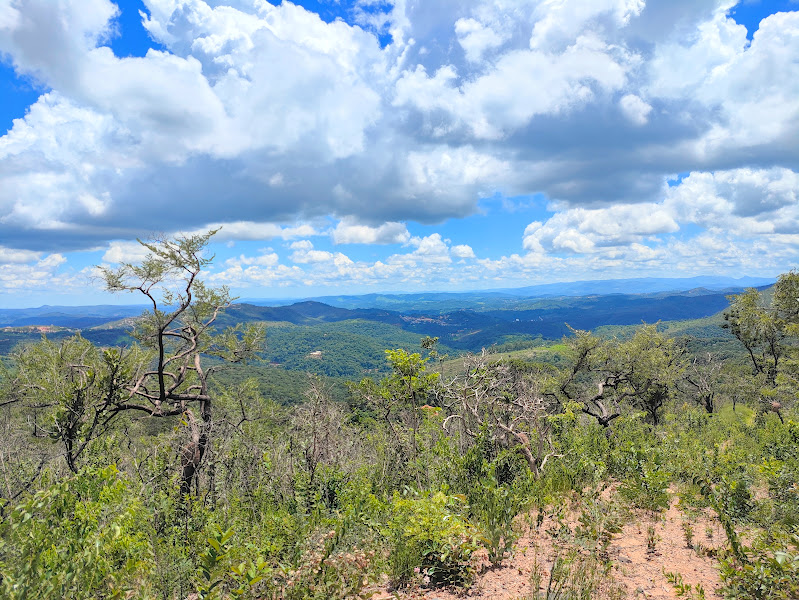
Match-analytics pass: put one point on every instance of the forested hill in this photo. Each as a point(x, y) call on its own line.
point(483, 323)
point(472, 329)
point(305, 313)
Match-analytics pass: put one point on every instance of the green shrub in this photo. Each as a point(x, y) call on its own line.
point(494, 507)
point(216, 576)
point(430, 536)
point(735, 497)
point(647, 481)
point(83, 537)
point(780, 467)
point(767, 573)
point(599, 521)
point(782, 478)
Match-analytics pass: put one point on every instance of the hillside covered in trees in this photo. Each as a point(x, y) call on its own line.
point(216, 450)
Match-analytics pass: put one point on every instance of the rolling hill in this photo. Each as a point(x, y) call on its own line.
point(346, 342)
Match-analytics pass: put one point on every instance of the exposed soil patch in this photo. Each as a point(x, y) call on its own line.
point(648, 546)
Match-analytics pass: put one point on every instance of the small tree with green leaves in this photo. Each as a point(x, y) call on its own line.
point(72, 390)
point(76, 390)
point(769, 331)
point(84, 537)
point(761, 331)
point(179, 331)
point(603, 375)
point(398, 398)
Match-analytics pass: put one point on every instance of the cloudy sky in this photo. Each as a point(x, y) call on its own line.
point(350, 146)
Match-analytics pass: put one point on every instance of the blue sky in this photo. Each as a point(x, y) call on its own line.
point(359, 146)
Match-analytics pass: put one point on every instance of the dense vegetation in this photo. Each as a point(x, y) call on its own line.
point(161, 470)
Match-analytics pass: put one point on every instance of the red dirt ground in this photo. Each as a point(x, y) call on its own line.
point(636, 572)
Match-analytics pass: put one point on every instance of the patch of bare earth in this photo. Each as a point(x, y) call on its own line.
point(636, 569)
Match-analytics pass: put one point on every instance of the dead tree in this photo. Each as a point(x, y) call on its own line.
point(702, 375)
point(510, 408)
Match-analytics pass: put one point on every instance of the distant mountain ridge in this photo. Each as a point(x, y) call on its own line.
point(480, 299)
point(640, 285)
point(68, 316)
point(307, 312)
point(471, 329)
point(462, 322)
point(617, 301)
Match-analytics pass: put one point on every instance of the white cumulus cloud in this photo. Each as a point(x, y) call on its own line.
point(273, 123)
point(349, 231)
point(635, 109)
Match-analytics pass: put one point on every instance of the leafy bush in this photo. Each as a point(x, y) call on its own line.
point(216, 575)
point(494, 507)
point(780, 468)
point(647, 481)
point(735, 497)
point(430, 536)
point(82, 537)
point(768, 574)
point(599, 521)
point(782, 478)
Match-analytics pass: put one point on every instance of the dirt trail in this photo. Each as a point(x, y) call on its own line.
point(637, 572)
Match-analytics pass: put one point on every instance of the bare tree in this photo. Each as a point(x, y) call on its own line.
point(319, 430)
point(702, 376)
point(506, 404)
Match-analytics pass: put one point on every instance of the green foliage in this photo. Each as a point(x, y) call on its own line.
point(780, 468)
point(215, 576)
point(73, 388)
point(401, 402)
point(348, 349)
point(215, 554)
point(604, 375)
point(275, 384)
point(760, 331)
point(771, 573)
point(409, 477)
point(431, 537)
point(652, 539)
point(647, 481)
point(735, 498)
point(409, 378)
point(588, 452)
point(572, 576)
point(494, 507)
point(599, 521)
point(684, 590)
point(768, 330)
point(84, 536)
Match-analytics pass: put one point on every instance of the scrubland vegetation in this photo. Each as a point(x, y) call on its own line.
point(158, 470)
